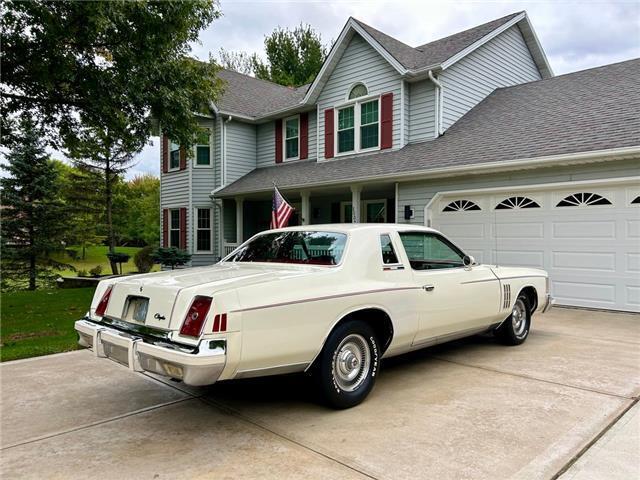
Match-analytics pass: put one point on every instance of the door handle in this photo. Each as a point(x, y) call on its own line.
point(428, 288)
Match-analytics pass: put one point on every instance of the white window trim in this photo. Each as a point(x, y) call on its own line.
point(169, 168)
point(363, 209)
point(196, 229)
point(195, 151)
point(356, 103)
point(171, 229)
point(284, 139)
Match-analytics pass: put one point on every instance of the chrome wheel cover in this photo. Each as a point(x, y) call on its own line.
point(351, 362)
point(519, 319)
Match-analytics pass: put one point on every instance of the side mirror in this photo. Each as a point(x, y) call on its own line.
point(468, 261)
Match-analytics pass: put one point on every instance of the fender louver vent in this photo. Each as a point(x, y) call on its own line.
point(506, 296)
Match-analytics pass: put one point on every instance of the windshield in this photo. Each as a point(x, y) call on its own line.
point(312, 248)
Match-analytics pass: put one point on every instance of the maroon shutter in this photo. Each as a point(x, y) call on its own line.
point(304, 135)
point(183, 158)
point(183, 228)
point(386, 118)
point(279, 140)
point(165, 154)
point(328, 133)
point(165, 227)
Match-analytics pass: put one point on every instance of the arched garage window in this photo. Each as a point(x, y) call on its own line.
point(583, 199)
point(636, 201)
point(461, 206)
point(512, 203)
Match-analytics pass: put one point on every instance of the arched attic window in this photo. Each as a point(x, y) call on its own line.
point(358, 90)
point(583, 199)
point(461, 206)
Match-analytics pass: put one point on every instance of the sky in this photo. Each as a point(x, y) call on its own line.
point(574, 34)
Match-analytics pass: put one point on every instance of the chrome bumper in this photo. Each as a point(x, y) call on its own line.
point(548, 304)
point(198, 366)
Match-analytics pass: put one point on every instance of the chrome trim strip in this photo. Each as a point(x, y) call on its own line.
point(277, 370)
point(481, 281)
point(523, 276)
point(328, 297)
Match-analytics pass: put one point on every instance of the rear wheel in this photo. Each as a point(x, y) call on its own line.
point(347, 366)
point(515, 329)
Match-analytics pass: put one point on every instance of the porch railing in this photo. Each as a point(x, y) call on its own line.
point(227, 248)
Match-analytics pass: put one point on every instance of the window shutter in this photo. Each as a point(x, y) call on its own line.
point(165, 154)
point(304, 135)
point(279, 140)
point(328, 133)
point(165, 227)
point(386, 117)
point(183, 228)
point(183, 158)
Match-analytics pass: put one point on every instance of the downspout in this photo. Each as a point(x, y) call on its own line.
point(439, 89)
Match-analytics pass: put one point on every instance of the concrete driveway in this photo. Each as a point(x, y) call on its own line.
point(563, 404)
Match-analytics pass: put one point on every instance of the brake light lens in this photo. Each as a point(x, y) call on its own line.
point(196, 315)
point(104, 302)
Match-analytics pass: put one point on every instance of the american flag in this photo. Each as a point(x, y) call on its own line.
point(280, 210)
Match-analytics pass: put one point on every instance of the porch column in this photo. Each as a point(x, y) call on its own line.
point(356, 190)
point(239, 220)
point(306, 207)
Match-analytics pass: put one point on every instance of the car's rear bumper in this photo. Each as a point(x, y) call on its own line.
point(549, 301)
point(194, 366)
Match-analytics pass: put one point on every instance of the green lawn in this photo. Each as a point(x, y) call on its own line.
point(98, 256)
point(41, 322)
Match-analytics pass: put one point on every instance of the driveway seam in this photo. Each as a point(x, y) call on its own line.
point(530, 377)
point(97, 423)
point(594, 440)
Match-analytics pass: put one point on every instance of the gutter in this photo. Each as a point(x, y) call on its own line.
point(592, 156)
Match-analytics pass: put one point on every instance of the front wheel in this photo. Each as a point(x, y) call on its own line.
point(348, 364)
point(515, 329)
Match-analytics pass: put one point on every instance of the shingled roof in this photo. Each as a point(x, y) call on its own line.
point(436, 52)
point(590, 110)
point(252, 97)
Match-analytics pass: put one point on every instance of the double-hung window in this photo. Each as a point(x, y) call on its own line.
point(203, 229)
point(174, 228)
point(292, 138)
point(203, 148)
point(358, 126)
point(174, 156)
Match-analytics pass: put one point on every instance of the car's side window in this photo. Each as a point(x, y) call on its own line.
point(389, 256)
point(428, 251)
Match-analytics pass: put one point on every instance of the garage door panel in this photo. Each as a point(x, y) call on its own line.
point(587, 260)
point(590, 251)
point(584, 229)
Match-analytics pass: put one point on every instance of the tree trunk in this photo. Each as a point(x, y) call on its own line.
point(32, 259)
point(109, 202)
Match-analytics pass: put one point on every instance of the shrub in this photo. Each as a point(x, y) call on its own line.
point(82, 273)
point(171, 257)
point(96, 271)
point(144, 259)
point(71, 253)
point(118, 257)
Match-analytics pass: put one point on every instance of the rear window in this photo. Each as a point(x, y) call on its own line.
point(302, 247)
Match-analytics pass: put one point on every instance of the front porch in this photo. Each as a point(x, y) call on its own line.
point(244, 216)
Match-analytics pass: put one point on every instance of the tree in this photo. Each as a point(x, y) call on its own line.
point(142, 214)
point(101, 152)
point(115, 65)
point(294, 57)
point(240, 62)
point(33, 216)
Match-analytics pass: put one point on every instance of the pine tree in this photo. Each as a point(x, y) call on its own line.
point(33, 219)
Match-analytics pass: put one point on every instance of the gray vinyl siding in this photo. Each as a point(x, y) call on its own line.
point(422, 111)
point(418, 194)
point(241, 149)
point(313, 137)
point(266, 144)
point(360, 63)
point(503, 61)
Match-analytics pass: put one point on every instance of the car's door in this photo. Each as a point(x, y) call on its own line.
point(454, 298)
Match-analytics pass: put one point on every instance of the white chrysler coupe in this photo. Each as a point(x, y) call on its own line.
point(330, 300)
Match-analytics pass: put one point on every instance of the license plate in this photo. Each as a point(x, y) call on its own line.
point(138, 307)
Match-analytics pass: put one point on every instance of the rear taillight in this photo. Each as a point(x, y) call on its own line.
point(104, 302)
point(196, 315)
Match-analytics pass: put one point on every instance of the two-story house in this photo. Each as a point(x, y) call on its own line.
point(471, 134)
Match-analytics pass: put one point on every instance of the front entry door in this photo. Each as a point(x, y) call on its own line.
point(453, 298)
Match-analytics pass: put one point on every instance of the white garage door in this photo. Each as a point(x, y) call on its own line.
point(586, 235)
